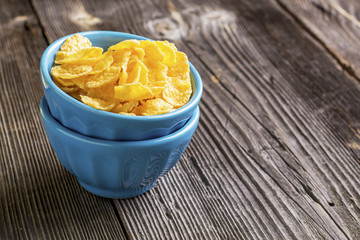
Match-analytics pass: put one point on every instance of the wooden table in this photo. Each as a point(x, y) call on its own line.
point(277, 151)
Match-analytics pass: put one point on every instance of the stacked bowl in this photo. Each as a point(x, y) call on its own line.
point(114, 155)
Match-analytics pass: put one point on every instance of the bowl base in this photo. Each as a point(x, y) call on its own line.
point(115, 194)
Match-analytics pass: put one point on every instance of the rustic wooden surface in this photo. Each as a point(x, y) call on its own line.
point(277, 151)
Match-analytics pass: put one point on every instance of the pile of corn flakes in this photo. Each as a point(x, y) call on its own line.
point(132, 77)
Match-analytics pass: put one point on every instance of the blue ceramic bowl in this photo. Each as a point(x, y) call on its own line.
point(106, 125)
point(116, 169)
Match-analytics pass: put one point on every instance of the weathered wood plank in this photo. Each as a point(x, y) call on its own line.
point(38, 198)
point(336, 25)
point(275, 154)
point(312, 107)
point(293, 100)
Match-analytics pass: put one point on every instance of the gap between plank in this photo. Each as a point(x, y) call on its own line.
point(42, 27)
point(343, 63)
point(119, 219)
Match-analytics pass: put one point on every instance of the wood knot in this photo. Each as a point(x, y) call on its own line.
point(166, 28)
point(171, 27)
point(218, 17)
point(82, 18)
point(180, 24)
point(28, 22)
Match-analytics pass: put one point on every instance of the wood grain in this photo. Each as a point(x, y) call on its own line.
point(38, 198)
point(342, 39)
point(275, 156)
point(266, 131)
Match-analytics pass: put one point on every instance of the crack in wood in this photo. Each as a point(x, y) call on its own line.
point(345, 13)
point(199, 171)
point(321, 8)
point(40, 23)
point(343, 63)
point(123, 228)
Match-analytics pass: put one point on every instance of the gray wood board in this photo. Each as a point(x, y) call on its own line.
point(341, 40)
point(276, 153)
point(39, 199)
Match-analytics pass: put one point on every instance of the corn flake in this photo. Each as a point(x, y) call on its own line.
point(153, 53)
point(70, 89)
point(83, 56)
point(153, 107)
point(72, 45)
point(177, 93)
point(70, 71)
point(121, 58)
point(130, 92)
point(104, 62)
point(97, 103)
point(81, 82)
point(105, 92)
point(126, 44)
point(64, 82)
point(109, 75)
point(125, 107)
point(169, 52)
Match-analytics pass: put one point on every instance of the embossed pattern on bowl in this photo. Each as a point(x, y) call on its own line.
point(116, 169)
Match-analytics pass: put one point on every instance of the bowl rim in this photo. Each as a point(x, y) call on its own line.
point(47, 80)
point(46, 116)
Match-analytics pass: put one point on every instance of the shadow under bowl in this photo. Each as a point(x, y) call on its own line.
point(116, 169)
point(89, 121)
